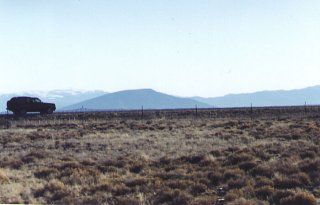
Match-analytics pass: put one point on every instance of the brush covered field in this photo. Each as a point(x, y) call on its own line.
point(160, 160)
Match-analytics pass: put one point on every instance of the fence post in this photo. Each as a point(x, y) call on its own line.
point(142, 112)
point(251, 112)
point(196, 110)
point(305, 108)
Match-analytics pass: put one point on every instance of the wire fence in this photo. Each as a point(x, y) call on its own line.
point(250, 113)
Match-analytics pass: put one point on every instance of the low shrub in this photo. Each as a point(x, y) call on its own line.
point(79, 176)
point(173, 197)
point(214, 178)
point(236, 158)
point(264, 192)
point(278, 195)
point(237, 183)
point(115, 163)
point(11, 163)
point(103, 187)
point(261, 170)
point(170, 176)
point(179, 184)
point(233, 174)
point(120, 189)
point(198, 188)
point(263, 181)
point(308, 154)
point(194, 159)
point(136, 182)
point(310, 165)
point(127, 201)
point(136, 168)
point(301, 198)
point(54, 190)
point(286, 183)
point(46, 173)
point(233, 194)
point(286, 168)
point(247, 165)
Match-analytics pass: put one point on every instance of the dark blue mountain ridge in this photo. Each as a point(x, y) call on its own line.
point(135, 99)
point(310, 95)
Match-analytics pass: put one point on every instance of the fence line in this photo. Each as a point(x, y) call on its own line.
point(253, 113)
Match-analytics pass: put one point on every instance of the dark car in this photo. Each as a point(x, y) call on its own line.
point(22, 105)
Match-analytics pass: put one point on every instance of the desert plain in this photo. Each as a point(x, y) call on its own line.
point(200, 158)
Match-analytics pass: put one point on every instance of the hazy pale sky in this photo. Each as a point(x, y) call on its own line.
point(181, 47)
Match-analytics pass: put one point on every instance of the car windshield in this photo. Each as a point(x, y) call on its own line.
point(37, 100)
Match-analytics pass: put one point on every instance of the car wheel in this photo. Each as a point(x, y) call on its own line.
point(49, 111)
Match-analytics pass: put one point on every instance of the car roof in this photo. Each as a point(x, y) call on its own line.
point(23, 97)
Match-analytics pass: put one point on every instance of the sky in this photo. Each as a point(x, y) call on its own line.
point(182, 47)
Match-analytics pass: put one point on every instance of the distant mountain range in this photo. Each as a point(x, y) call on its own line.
point(150, 99)
point(135, 99)
point(309, 95)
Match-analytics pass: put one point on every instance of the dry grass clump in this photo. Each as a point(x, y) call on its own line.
point(308, 154)
point(198, 188)
point(287, 167)
point(179, 184)
point(117, 189)
point(140, 181)
point(137, 168)
point(301, 198)
point(100, 187)
point(237, 183)
point(38, 135)
point(34, 156)
point(237, 158)
point(11, 162)
point(263, 181)
point(3, 177)
point(292, 181)
point(53, 191)
point(47, 173)
point(262, 170)
point(214, 177)
point(173, 197)
point(79, 176)
point(232, 195)
point(247, 165)
point(309, 165)
point(264, 192)
point(278, 195)
point(234, 173)
point(243, 201)
point(204, 200)
point(127, 201)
